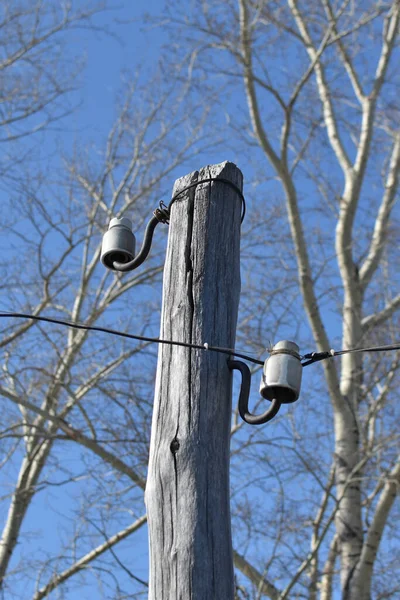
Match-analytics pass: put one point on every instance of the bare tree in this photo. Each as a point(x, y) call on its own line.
point(39, 69)
point(315, 87)
point(77, 405)
point(320, 83)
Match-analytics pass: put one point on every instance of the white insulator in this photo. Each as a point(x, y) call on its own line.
point(282, 373)
point(118, 243)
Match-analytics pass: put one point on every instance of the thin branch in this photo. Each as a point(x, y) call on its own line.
point(77, 436)
point(377, 319)
point(329, 569)
point(379, 235)
point(315, 535)
point(83, 562)
point(368, 116)
point(307, 561)
point(296, 92)
point(375, 531)
point(305, 275)
point(390, 33)
point(324, 92)
point(348, 65)
point(263, 585)
point(250, 88)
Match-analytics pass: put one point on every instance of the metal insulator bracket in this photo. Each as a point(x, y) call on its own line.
point(280, 383)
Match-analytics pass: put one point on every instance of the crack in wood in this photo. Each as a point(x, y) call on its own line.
point(189, 292)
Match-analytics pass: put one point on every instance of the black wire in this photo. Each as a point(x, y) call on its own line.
point(208, 180)
point(312, 357)
point(371, 349)
point(131, 336)
point(315, 357)
point(318, 356)
point(162, 215)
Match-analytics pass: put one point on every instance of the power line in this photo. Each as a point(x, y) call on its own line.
point(310, 358)
point(142, 338)
point(318, 356)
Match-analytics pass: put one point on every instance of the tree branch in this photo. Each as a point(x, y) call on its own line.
point(327, 495)
point(375, 532)
point(251, 91)
point(324, 92)
point(83, 562)
point(351, 478)
point(264, 586)
point(77, 436)
point(368, 115)
point(305, 275)
point(328, 572)
point(380, 230)
point(348, 65)
point(379, 318)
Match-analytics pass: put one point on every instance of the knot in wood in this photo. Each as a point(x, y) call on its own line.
point(174, 447)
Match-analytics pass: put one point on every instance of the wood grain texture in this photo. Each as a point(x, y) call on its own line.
point(187, 491)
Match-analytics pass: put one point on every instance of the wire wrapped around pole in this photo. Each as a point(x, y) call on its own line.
point(161, 215)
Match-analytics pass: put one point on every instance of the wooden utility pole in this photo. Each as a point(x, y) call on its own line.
point(187, 491)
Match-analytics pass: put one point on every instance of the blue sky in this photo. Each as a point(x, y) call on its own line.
point(108, 61)
point(136, 49)
point(132, 47)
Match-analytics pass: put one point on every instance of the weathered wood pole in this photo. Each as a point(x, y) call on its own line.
point(187, 491)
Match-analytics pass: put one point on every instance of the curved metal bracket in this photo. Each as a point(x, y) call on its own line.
point(144, 250)
point(249, 418)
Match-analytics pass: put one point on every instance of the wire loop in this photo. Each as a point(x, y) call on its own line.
point(162, 215)
point(209, 180)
